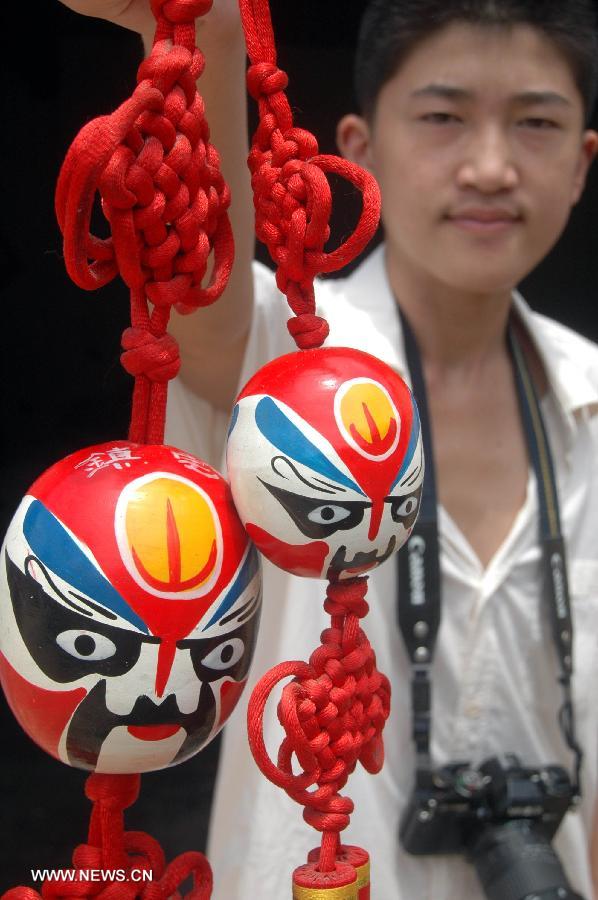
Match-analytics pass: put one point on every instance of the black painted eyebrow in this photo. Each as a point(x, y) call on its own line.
point(246, 609)
point(99, 609)
point(314, 483)
point(526, 98)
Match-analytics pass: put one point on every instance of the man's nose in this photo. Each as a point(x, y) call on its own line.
point(489, 165)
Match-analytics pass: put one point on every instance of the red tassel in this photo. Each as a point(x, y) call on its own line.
point(332, 713)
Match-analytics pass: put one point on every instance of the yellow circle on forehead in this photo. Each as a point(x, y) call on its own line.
point(367, 407)
point(171, 528)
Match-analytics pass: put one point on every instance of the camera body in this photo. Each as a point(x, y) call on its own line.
point(502, 817)
point(445, 815)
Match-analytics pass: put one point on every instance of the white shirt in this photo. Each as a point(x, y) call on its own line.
point(495, 669)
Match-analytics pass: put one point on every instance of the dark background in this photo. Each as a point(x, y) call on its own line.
point(62, 385)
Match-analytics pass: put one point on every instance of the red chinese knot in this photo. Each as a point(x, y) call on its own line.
point(291, 191)
point(165, 199)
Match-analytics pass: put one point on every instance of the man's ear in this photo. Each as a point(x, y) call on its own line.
point(353, 138)
point(588, 152)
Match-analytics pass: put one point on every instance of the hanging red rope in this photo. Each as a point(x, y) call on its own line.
point(291, 192)
point(334, 709)
point(163, 195)
point(134, 860)
point(332, 713)
point(165, 199)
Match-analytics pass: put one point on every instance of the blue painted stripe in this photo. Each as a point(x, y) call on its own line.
point(246, 573)
point(283, 434)
point(413, 439)
point(56, 549)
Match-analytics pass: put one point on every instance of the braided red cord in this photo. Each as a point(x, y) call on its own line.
point(165, 199)
point(332, 713)
point(111, 848)
point(291, 192)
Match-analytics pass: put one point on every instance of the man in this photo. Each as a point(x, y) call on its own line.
point(473, 120)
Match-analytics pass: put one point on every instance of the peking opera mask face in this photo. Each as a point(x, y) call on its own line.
point(325, 461)
point(129, 609)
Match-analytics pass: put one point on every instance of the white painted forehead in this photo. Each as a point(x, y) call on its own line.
point(40, 544)
point(284, 433)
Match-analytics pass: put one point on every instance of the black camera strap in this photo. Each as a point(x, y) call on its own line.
point(420, 593)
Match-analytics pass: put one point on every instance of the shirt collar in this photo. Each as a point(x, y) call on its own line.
point(363, 313)
point(569, 361)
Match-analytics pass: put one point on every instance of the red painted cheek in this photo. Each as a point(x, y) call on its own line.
point(42, 714)
point(230, 692)
point(305, 559)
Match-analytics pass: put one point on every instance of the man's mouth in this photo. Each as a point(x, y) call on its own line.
point(484, 220)
point(361, 562)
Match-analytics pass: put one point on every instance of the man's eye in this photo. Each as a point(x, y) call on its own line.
point(328, 515)
point(440, 118)
point(538, 123)
point(224, 655)
point(88, 645)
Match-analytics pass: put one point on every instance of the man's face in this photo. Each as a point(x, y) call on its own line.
point(478, 144)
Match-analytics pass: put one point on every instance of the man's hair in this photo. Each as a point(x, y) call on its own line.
point(391, 29)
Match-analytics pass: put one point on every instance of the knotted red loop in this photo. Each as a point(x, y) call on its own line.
point(156, 357)
point(162, 192)
point(160, 184)
point(291, 191)
point(180, 12)
point(265, 79)
point(343, 597)
point(117, 791)
point(308, 331)
point(332, 713)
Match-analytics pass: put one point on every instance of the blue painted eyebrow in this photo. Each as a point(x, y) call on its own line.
point(413, 439)
point(56, 549)
point(286, 437)
point(247, 572)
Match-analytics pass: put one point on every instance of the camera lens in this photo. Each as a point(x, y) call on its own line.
point(514, 860)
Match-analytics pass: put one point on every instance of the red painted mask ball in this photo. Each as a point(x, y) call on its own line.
point(325, 462)
point(130, 598)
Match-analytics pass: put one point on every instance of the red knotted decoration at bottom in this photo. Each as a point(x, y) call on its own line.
point(116, 864)
point(333, 713)
point(165, 200)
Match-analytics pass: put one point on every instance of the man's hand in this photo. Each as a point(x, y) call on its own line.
point(223, 20)
point(135, 15)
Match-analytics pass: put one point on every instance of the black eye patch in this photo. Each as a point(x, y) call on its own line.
point(319, 518)
point(404, 509)
point(229, 655)
point(65, 644)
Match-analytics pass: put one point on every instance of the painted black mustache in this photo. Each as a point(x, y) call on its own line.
point(92, 722)
point(339, 562)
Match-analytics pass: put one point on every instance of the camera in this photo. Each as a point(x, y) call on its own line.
point(502, 817)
